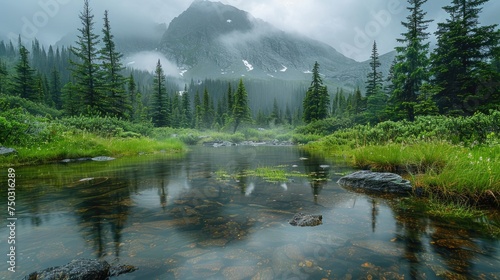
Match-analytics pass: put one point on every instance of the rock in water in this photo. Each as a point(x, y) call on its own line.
point(102, 158)
point(81, 269)
point(76, 269)
point(376, 182)
point(303, 220)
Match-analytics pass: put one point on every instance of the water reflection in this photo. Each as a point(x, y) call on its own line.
point(102, 207)
point(318, 172)
point(174, 219)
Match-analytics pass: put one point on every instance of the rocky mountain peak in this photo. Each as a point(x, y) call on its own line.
point(208, 20)
point(214, 40)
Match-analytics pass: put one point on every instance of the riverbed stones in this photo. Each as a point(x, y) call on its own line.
point(81, 269)
point(376, 182)
point(303, 220)
point(4, 151)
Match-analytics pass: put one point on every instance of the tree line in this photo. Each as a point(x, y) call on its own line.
point(460, 77)
point(90, 79)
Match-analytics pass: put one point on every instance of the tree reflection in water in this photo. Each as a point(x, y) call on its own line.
point(180, 207)
point(102, 210)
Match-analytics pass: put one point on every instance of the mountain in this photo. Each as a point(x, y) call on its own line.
point(214, 40)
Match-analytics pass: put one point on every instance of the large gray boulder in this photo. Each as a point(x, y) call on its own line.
point(80, 269)
point(303, 220)
point(376, 182)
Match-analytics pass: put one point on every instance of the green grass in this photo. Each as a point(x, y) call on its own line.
point(74, 145)
point(471, 173)
point(438, 167)
point(413, 158)
point(194, 137)
point(452, 210)
point(455, 159)
point(269, 174)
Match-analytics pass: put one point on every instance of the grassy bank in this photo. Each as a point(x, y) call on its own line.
point(82, 144)
point(455, 159)
point(195, 137)
point(46, 139)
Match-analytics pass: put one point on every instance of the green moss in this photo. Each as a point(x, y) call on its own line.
point(269, 174)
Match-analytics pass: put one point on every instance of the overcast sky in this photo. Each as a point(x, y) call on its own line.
point(350, 26)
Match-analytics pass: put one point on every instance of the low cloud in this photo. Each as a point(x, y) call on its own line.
point(334, 22)
point(147, 61)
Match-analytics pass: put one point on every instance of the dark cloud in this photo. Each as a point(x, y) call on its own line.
point(350, 25)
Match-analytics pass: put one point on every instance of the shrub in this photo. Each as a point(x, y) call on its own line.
point(107, 126)
point(20, 128)
point(325, 127)
point(8, 102)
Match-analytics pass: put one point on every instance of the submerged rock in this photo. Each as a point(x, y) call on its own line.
point(76, 269)
point(81, 269)
point(303, 220)
point(4, 151)
point(69, 160)
point(102, 158)
point(217, 144)
point(376, 182)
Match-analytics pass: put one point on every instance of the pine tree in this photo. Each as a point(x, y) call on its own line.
point(198, 113)
point(24, 78)
point(55, 88)
point(241, 111)
point(339, 105)
point(411, 68)
point(374, 78)
point(3, 76)
point(71, 101)
point(113, 80)
point(3, 49)
point(88, 83)
point(132, 93)
point(375, 97)
point(207, 110)
point(186, 109)
point(276, 113)
point(359, 102)
point(159, 103)
point(261, 118)
point(176, 112)
point(317, 99)
point(40, 90)
point(288, 115)
point(460, 60)
point(230, 101)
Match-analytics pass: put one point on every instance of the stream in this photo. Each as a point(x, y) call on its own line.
point(178, 218)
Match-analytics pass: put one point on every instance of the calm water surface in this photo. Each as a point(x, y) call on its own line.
point(179, 219)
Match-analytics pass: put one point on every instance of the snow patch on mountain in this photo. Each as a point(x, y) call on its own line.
point(284, 68)
point(248, 65)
